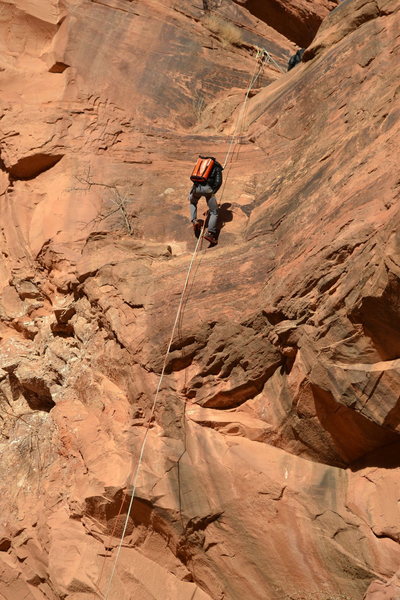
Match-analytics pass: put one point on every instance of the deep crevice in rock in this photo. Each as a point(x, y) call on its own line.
point(58, 67)
point(380, 318)
point(299, 29)
point(35, 391)
point(32, 166)
point(64, 331)
point(2, 165)
point(39, 399)
point(353, 434)
point(62, 327)
point(5, 544)
point(240, 394)
point(386, 457)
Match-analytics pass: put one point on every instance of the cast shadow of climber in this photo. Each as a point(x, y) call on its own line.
point(225, 215)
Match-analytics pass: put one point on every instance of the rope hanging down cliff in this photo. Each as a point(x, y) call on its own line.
point(261, 58)
point(139, 463)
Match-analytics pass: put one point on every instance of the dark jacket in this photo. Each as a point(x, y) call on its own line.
point(295, 59)
point(215, 179)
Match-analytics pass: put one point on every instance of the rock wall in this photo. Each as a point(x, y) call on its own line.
point(270, 469)
point(298, 20)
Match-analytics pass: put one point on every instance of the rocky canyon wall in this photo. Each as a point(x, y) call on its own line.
point(271, 464)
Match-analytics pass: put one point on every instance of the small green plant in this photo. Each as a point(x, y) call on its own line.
point(228, 33)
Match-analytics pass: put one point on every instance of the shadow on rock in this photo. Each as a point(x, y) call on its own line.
point(225, 215)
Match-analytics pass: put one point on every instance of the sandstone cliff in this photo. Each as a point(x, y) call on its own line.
point(271, 465)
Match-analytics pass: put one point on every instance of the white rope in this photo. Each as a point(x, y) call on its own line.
point(270, 59)
point(134, 478)
point(253, 79)
point(262, 54)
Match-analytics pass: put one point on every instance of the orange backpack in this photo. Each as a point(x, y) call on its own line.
point(203, 169)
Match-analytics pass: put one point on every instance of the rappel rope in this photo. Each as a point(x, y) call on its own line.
point(241, 114)
point(272, 60)
point(262, 55)
point(139, 463)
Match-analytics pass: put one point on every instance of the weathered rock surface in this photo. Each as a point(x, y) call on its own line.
point(271, 467)
point(298, 21)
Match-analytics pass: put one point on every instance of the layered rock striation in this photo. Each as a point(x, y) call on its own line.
point(270, 465)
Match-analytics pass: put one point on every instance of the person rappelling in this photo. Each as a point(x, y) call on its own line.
point(207, 179)
point(295, 59)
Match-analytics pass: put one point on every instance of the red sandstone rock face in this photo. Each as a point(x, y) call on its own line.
point(271, 464)
point(298, 21)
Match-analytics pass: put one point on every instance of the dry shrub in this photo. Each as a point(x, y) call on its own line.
point(199, 104)
point(318, 595)
point(228, 33)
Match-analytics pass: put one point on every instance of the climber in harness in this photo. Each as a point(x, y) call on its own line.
point(207, 179)
point(295, 59)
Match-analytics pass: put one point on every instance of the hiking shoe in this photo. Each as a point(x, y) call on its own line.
point(196, 225)
point(210, 237)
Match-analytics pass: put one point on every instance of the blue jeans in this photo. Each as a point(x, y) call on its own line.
point(203, 189)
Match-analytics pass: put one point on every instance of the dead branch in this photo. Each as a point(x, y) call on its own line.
point(119, 200)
